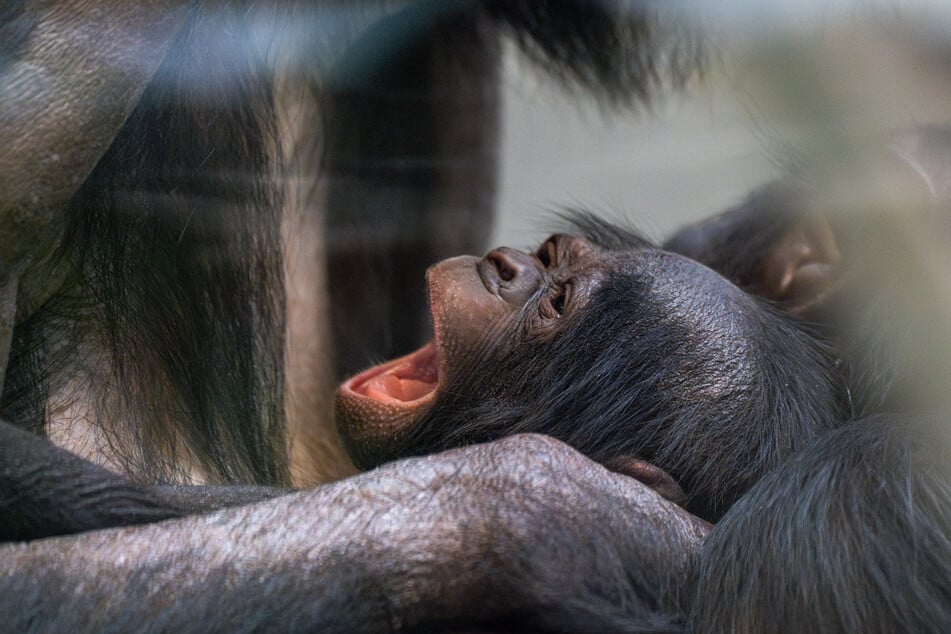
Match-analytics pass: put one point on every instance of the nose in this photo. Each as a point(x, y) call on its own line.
point(512, 274)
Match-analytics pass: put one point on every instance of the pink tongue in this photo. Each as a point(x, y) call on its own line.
point(413, 389)
point(385, 387)
point(411, 379)
point(389, 387)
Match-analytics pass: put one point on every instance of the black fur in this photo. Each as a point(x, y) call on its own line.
point(891, 358)
point(172, 261)
point(623, 51)
point(716, 407)
point(170, 265)
point(851, 535)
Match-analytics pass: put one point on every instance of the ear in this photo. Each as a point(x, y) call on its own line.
point(801, 269)
point(651, 475)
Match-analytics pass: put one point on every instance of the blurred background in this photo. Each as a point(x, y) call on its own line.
point(785, 83)
point(689, 156)
point(810, 88)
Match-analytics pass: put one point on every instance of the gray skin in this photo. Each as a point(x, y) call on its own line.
point(523, 525)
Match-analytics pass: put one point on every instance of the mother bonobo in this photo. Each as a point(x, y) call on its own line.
point(141, 327)
point(658, 366)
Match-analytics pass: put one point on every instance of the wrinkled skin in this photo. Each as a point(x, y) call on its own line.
point(525, 530)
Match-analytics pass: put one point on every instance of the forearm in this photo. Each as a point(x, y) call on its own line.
point(521, 531)
point(343, 557)
point(277, 564)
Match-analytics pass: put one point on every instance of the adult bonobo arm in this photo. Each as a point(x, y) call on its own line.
point(46, 491)
point(524, 531)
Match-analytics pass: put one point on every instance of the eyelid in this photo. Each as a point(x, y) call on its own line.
point(559, 301)
point(547, 303)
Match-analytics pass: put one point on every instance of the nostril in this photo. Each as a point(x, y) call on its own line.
point(505, 268)
point(512, 275)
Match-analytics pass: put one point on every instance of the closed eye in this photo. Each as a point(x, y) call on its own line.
point(558, 301)
point(554, 304)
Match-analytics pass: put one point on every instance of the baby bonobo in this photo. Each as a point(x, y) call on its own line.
point(734, 371)
point(643, 359)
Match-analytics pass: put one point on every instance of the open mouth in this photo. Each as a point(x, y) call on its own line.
point(404, 380)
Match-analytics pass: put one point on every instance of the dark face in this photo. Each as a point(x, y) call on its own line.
point(618, 347)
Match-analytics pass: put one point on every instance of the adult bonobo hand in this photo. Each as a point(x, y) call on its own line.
point(523, 530)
